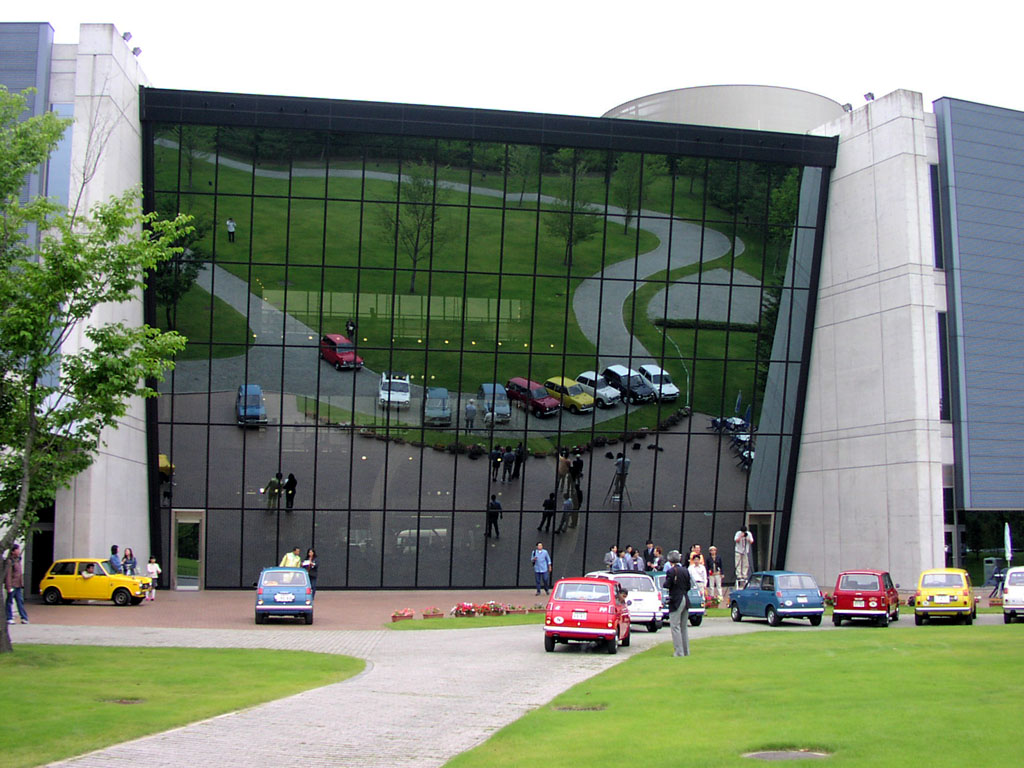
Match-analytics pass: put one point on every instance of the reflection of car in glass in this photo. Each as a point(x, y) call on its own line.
point(250, 408)
point(64, 582)
point(697, 606)
point(395, 391)
point(339, 352)
point(437, 410)
point(1013, 594)
point(604, 395)
point(494, 400)
point(164, 468)
point(659, 380)
point(778, 595)
point(630, 384)
point(569, 394)
point(586, 610)
point(865, 594)
point(944, 593)
point(531, 395)
point(643, 598)
point(284, 592)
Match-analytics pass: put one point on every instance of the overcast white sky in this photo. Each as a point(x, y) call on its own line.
point(579, 58)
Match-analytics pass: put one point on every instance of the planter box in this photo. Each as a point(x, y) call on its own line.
point(995, 602)
point(400, 618)
point(433, 615)
point(537, 610)
point(517, 612)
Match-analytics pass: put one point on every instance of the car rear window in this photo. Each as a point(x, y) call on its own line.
point(1016, 579)
point(584, 593)
point(63, 569)
point(863, 581)
point(636, 583)
point(942, 580)
point(284, 579)
point(797, 581)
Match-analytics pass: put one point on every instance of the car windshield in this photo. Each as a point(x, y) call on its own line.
point(661, 378)
point(395, 386)
point(284, 579)
point(1016, 579)
point(942, 580)
point(600, 383)
point(575, 389)
point(636, 382)
point(863, 581)
point(346, 346)
point(538, 393)
point(253, 401)
point(795, 581)
point(636, 583)
point(438, 403)
point(498, 398)
point(587, 593)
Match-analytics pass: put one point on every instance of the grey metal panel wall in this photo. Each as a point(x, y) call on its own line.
point(981, 156)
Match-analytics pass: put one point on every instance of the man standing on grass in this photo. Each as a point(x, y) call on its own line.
point(677, 582)
point(541, 560)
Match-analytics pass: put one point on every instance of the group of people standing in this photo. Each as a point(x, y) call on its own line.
point(507, 461)
point(278, 487)
point(127, 564)
point(294, 560)
point(705, 571)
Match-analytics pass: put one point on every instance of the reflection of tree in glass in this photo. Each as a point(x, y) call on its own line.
point(173, 278)
point(523, 165)
point(572, 220)
point(415, 225)
point(633, 177)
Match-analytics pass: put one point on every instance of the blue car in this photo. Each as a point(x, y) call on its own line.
point(778, 595)
point(284, 592)
point(494, 400)
point(250, 407)
point(697, 607)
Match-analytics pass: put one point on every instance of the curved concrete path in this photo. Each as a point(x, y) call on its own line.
point(425, 696)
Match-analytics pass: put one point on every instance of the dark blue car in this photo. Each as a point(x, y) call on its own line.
point(249, 406)
point(778, 595)
point(284, 592)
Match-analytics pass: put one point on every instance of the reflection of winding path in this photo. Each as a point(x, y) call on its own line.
point(680, 243)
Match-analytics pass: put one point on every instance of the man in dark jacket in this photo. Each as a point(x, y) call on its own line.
point(677, 582)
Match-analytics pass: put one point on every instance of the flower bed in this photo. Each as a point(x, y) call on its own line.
point(432, 612)
point(402, 614)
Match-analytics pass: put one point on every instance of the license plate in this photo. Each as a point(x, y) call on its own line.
point(579, 615)
point(284, 597)
point(858, 603)
point(942, 598)
point(801, 599)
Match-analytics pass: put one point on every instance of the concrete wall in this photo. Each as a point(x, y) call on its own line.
point(108, 503)
point(869, 480)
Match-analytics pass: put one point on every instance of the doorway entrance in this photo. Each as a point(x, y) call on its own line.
point(188, 541)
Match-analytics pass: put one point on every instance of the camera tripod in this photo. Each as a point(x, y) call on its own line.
point(614, 496)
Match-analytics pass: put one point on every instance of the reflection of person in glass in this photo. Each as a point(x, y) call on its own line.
point(289, 490)
point(621, 471)
point(230, 224)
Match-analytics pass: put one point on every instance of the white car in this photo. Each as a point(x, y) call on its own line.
point(660, 381)
point(604, 395)
point(1013, 594)
point(643, 598)
point(395, 391)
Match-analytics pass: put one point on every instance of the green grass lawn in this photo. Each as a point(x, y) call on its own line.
point(949, 695)
point(60, 701)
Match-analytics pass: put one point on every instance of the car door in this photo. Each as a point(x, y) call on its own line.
point(892, 597)
point(96, 588)
point(766, 595)
point(746, 597)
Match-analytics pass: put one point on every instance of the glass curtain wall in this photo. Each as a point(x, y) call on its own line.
point(409, 326)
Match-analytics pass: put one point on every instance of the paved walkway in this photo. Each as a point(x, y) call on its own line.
point(424, 697)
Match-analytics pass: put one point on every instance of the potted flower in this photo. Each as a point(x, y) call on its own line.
point(463, 609)
point(516, 609)
point(402, 614)
point(491, 608)
point(432, 612)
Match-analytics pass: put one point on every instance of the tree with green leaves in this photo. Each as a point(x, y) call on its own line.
point(56, 400)
point(572, 220)
point(632, 180)
point(415, 224)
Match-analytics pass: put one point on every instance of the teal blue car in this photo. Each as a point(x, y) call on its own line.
point(778, 595)
point(284, 592)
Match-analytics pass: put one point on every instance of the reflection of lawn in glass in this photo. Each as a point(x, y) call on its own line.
point(188, 566)
point(193, 322)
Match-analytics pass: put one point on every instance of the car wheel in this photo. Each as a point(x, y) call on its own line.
point(1007, 618)
point(968, 619)
point(52, 596)
point(136, 600)
point(121, 597)
point(837, 620)
point(918, 619)
point(309, 618)
point(337, 366)
point(773, 616)
point(549, 643)
point(696, 620)
point(321, 354)
point(626, 637)
point(653, 626)
point(574, 409)
point(883, 620)
point(815, 620)
point(896, 613)
point(734, 612)
point(261, 618)
point(612, 645)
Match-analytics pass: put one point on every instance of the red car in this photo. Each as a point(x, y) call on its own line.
point(339, 352)
point(531, 395)
point(586, 610)
point(865, 594)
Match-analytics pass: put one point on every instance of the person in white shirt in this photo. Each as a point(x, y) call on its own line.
point(744, 540)
point(698, 573)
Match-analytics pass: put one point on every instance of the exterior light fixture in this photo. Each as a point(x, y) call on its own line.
point(126, 36)
point(136, 51)
point(869, 96)
point(847, 107)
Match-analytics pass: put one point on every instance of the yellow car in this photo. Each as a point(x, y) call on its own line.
point(944, 592)
point(570, 394)
point(91, 578)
